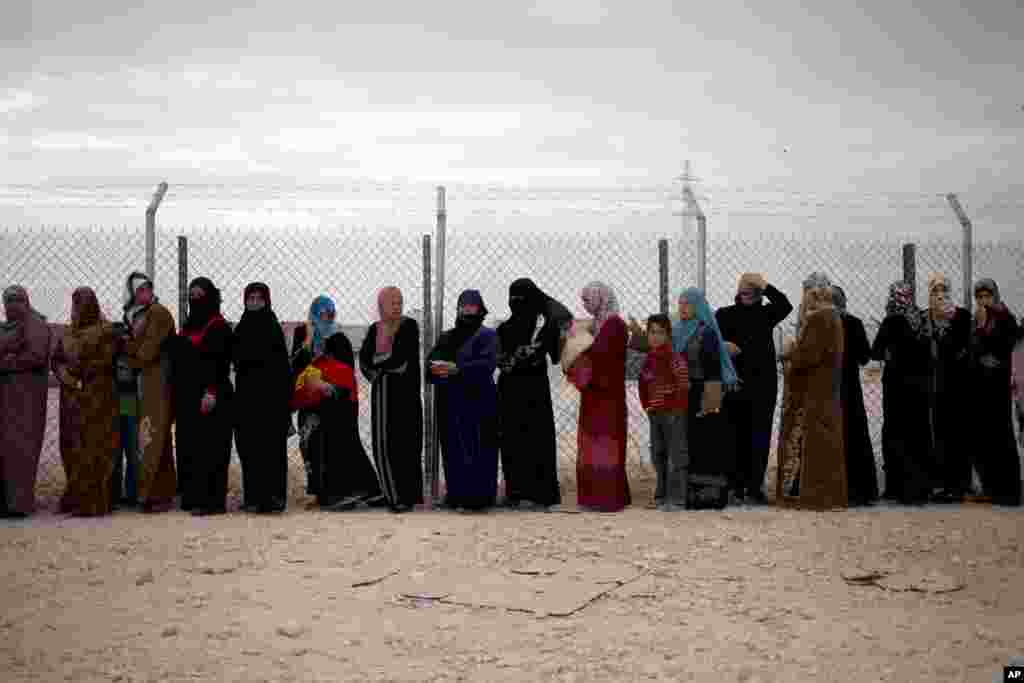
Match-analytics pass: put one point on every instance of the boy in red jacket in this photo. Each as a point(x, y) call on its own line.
point(664, 389)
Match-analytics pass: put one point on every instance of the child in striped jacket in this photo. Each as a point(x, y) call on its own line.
point(664, 389)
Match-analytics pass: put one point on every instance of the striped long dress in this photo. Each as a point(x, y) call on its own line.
point(397, 413)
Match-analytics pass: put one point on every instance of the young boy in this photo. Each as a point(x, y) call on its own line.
point(664, 388)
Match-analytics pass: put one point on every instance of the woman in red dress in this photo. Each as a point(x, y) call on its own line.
point(601, 435)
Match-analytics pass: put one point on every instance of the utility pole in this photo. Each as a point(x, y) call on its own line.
point(691, 209)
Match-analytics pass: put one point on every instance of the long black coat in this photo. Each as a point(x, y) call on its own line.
point(750, 328)
point(909, 462)
point(860, 455)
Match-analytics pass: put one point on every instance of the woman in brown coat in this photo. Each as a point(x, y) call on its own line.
point(89, 345)
point(24, 369)
point(65, 370)
point(152, 326)
point(812, 464)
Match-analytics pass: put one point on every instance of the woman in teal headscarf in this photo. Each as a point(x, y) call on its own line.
point(320, 326)
point(711, 373)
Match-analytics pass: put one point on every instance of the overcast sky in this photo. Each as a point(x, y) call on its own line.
point(921, 96)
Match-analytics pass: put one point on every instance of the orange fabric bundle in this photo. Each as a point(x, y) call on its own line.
point(307, 392)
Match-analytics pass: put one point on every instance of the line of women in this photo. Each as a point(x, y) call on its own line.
point(126, 386)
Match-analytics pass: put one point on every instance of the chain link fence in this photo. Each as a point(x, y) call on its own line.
point(350, 264)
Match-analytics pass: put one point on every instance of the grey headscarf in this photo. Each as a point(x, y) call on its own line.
point(816, 280)
point(839, 299)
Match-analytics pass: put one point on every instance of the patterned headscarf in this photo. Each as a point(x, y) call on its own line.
point(936, 301)
point(683, 331)
point(987, 284)
point(816, 282)
point(599, 300)
point(748, 283)
point(321, 329)
point(386, 329)
point(997, 310)
point(901, 302)
point(940, 306)
point(133, 284)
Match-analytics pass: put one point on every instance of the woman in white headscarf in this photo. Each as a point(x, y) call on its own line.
point(601, 435)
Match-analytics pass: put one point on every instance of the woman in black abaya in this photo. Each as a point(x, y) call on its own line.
point(529, 452)
point(263, 390)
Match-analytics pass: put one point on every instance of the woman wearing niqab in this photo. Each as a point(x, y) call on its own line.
point(461, 368)
point(204, 401)
point(262, 402)
point(526, 341)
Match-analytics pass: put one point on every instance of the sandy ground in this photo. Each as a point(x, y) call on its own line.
point(750, 594)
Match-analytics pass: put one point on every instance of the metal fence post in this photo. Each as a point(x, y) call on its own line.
point(663, 276)
point(702, 251)
point(442, 224)
point(182, 279)
point(154, 204)
point(702, 237)
point(910, 269)
point(429, 452)
point(967, 256)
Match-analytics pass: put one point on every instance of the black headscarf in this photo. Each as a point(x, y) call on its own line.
point(258, 332)
point(200, 311)
point(528, 303)
point(465, 325)
point(339, 347)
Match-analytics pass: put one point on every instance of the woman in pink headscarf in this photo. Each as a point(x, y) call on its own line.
point(390, 361)
point(601, 435)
